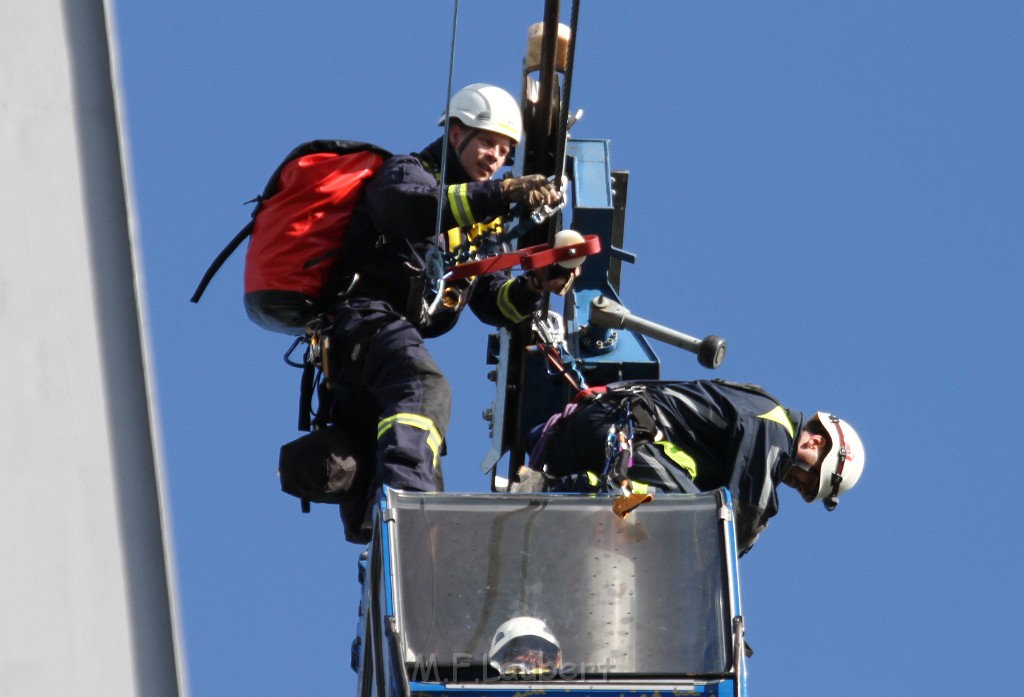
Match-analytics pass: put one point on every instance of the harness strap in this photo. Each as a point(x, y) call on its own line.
point(307, 386)
point(670, 473)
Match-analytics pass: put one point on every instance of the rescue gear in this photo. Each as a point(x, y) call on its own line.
point(532, 190)
point(297, 230)
point(843, 463)
point(488, 108)
point(524, 646)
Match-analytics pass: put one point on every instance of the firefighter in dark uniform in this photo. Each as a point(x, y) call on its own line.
point(385, 386)
point(705, 434)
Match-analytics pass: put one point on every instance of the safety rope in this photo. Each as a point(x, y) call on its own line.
point(435, 263)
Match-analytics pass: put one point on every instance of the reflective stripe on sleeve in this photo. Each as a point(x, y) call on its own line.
point(458, 202)
point(505, 304)
point(415, 421)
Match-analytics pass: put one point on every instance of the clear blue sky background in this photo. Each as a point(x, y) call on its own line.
point(835, 187)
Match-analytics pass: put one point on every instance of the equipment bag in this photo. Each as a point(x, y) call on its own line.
point(324, 467)
point(297, 229)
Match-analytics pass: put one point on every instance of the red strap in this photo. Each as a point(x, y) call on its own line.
point(535, 257)
point(588, 393)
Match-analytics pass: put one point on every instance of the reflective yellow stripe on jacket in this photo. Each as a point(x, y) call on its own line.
point(415, 421)
point(458, 202)
point(778, 415)
point(679, 456)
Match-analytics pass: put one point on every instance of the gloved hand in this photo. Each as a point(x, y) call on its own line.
point(533, 191)
point(553, 279)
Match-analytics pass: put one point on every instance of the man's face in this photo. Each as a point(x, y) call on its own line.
point(804, 481)
point(483, 155)
point(805, 473)
point(530, 655)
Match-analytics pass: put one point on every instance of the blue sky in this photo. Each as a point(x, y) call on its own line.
point(835, 188)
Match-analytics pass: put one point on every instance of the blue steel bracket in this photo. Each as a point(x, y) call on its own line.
point(593, 205)
point(599, 203)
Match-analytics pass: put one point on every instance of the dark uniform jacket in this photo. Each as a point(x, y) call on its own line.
point(722, 434)
point(394, 226)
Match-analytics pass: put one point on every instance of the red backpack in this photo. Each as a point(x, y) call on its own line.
point(297, 230)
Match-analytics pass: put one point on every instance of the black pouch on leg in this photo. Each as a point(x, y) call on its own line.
point(320, 467)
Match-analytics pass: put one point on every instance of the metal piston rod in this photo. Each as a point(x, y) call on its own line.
point(608, 314)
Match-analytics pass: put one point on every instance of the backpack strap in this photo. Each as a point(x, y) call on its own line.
point(219, 261)
point(795, 417)
point(748, 387)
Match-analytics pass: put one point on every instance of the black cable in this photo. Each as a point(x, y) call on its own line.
point(563, 119)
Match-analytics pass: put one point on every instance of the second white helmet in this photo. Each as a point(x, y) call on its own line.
point(488, 108)
point(520, 637)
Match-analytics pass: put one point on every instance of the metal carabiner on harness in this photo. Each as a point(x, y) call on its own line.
point(619, 448)
point(435, 275)
point(318, 337)
point(552, 340)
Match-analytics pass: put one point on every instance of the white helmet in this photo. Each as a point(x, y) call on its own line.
point(518, 636)
point(844, 462)
point(488, 108)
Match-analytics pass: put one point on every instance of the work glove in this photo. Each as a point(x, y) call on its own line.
point(553, 279)
point(533, 191)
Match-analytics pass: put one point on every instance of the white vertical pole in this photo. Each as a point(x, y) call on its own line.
point(86, 589)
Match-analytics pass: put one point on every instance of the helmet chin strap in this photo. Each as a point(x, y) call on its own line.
point(470, 135)
point(832, 500)
point(801, 466)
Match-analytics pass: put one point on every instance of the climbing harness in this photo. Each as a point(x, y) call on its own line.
point(618, 461)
